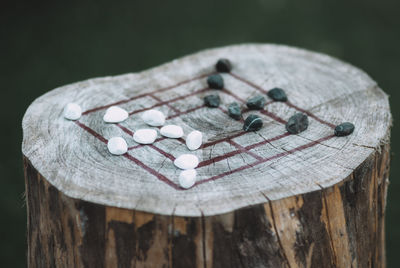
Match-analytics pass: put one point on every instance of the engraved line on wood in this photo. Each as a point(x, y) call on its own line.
point(92, 132)
point(164, 153)
point(244, 150)
point(172, 100)
point(300, 148)
point(169, 105)
point(152, 171)
point(147, 94)
point(248, 82)
point(126, 130)
point(186, 112)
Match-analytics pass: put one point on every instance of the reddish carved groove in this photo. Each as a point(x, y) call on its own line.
point(147, 94)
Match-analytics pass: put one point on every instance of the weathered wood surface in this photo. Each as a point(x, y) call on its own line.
point(75, 160)
point(340, 226)
point(262, 199)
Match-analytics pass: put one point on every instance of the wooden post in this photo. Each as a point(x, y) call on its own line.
point(262, 199)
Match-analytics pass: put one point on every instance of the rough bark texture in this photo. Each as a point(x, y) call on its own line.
point(339, 226)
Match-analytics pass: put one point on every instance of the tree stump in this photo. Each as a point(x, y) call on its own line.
point(262, 199)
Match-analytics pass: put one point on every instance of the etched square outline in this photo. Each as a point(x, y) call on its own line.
point(240, 149)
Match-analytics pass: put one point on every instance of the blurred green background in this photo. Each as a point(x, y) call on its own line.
point(46, 44)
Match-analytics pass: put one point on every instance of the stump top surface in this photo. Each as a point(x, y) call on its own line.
point(237, 168)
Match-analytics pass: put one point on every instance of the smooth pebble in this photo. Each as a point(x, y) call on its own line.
point(145, 136)
point(256, 102)
point(234, 111)
point(115, 114)
point(187, 178)
point(171, 131)
point(117, 146)
point(252, 123)
point(153, 118)
point(186, 161)
point(297, 123)
point(215, 81)
point(194, 140)
point(223, 66)
point(344, 129)
point(277, 94)
point(72, 111)
point(212, 101)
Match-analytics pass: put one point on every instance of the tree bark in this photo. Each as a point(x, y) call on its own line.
point(339, 226)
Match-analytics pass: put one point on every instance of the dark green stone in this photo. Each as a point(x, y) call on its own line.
point(344, 129)
point(212, 101)
point(256, 103)
point(277, 94)
point(223, 66)
point(297, 123)
point(234, 111)
point(215, 81)
point(252, 123)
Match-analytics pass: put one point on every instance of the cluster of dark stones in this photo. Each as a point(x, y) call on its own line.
point(296, 123)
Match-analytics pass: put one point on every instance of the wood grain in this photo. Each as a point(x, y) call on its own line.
point(78, 164)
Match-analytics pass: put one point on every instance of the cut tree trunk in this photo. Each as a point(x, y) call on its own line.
point(261, 199)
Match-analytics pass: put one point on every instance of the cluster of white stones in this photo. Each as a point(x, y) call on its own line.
point(154, 118)
point(186, 162)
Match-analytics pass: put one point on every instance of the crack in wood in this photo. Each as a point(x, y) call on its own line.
point(276, 229)
point(329, 222)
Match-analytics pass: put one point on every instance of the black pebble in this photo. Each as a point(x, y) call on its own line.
point(212, 101)
point(234, 111)
point(344, 129)
point(223, 66)
point(256, 103)
point(297, 123)
point(277, 94)
point(215, 81)
point(252, 123)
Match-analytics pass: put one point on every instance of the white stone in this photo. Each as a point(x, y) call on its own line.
point(186, 161)
point(145, 136)
point(194, 140)
point(171, 131)
point(117, 145)
point(187, 178)
point(115, 114)
point(72, 111)
point(153, 118)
